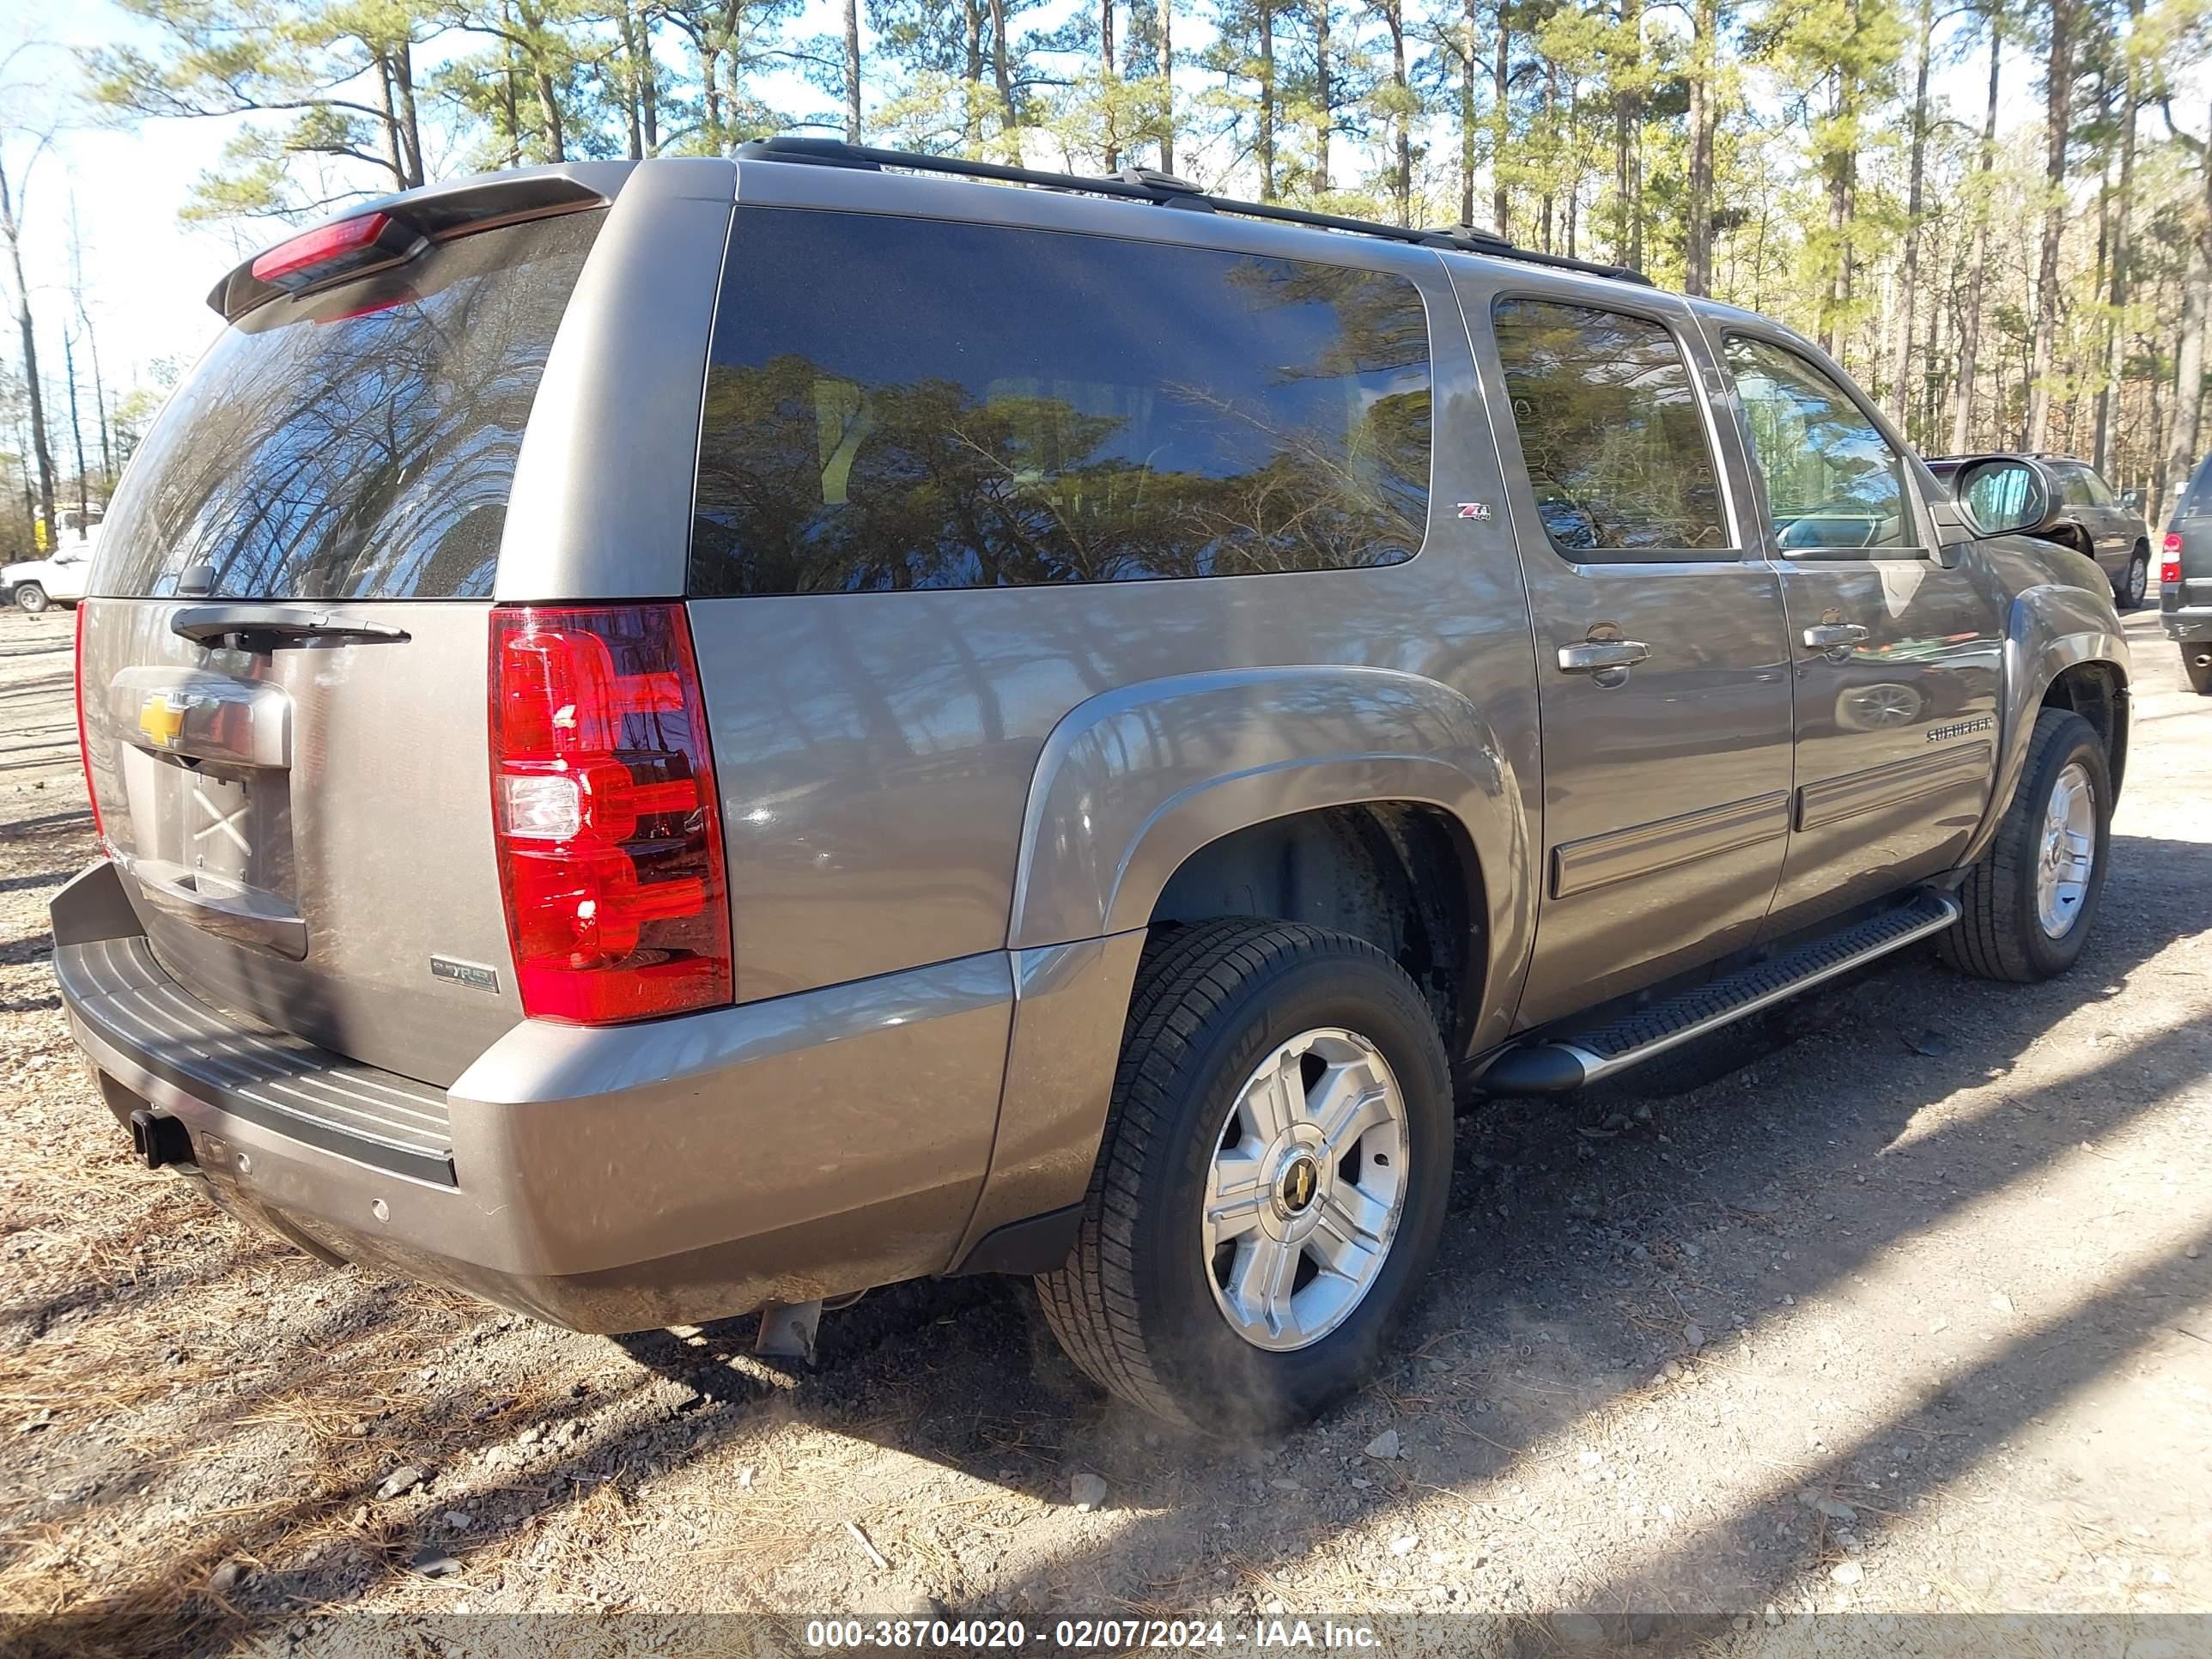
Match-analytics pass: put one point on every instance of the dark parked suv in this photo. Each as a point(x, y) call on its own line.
point(2088, 517)
point(2184, 578)
point(697, 736)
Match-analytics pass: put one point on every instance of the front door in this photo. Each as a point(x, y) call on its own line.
point(1662, 666)
point(1897, 658)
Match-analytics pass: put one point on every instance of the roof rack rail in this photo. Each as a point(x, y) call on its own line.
point(1165, 190)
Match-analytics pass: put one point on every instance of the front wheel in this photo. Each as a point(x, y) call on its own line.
point(2029, 902)
point(1273, 1182)
point(2129, 591)
point(31, 598)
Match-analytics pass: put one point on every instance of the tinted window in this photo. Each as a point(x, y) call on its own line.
point(1831, 478)
point(358, 442)
point(2100, 493)
point(2073, 483)
point(2199, 501)
point(898, 404)
point(1611, 430)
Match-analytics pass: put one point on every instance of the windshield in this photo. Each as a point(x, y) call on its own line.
point(358, 442)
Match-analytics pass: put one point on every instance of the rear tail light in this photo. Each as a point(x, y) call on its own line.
point(2169, 569)
point(603, 803)
point(83, 746)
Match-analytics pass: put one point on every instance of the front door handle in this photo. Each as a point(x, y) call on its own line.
point(1607, 661)
point(1827, 636)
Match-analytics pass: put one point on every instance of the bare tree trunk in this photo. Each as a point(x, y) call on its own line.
point(411, 128)
point(1698, 251)
point(1467, 64)
point(1402, 180)
point(76, 427)
point(387, 93)
point(1106, 73)
point(2056, 109)
point(633, 113)
point(971, 77)
point(999, 71)
point(1627, 120)
point(1167, 86)
point(1901, 341)
point(1977, 260)
point(1325, 119)
point(13, 233)
point(1266, 144)
point(2189, 364)
point(1501, 112)
point(2116, 332)
point(710, 123)
point(853, 65)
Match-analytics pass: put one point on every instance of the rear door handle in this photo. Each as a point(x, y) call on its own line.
point(1828, 635)
point(1596, 656)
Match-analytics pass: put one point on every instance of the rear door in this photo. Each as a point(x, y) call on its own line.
point(1661, 668)
point(304, 818)
point(1895, 658)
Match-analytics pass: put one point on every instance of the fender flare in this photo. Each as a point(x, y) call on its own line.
point(1133, 781)
point(2052, 627)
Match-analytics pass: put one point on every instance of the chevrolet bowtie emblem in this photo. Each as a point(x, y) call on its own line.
point(161, 719)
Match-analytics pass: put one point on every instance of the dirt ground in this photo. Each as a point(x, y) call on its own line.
point(1895, 1301)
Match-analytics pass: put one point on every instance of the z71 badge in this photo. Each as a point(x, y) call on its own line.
point(1474, 509)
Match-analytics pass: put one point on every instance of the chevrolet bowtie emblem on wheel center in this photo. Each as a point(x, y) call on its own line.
point(162, 719)
point(1298, 1182)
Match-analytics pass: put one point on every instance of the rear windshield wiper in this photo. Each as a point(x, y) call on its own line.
point(265, 628)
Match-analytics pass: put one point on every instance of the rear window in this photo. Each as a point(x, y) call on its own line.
point(2199, 503)
point(359, 442)
point(910, 404)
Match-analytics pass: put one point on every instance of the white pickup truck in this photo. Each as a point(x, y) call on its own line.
point(36, 584)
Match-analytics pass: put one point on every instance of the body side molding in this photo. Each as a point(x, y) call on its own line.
point(1666, 843)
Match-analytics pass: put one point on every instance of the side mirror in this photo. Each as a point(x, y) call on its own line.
point(2004, 496)
point(2132, 500)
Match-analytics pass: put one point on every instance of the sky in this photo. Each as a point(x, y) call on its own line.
point(147, 275)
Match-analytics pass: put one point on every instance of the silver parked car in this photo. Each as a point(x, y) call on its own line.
point(678, 738)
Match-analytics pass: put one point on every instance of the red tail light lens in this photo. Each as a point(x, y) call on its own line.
point(84, 747)
point(2169, 569)
point(603, 799)
point(329, 245)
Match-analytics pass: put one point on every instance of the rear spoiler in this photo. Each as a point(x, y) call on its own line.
point(435, 214)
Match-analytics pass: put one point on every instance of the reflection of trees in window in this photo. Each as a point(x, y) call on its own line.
point(1263, 415)
point(1610, 429)
point(318, 454)
point(1820, 455)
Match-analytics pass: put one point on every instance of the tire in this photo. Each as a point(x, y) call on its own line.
point(1140, 1305)
point(31, 598)
point(2197, 664)
point(2002, 934)
point(2127, 593)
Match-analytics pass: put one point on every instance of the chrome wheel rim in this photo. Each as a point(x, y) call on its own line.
point(2138, 579)
point(2068, 851)
point(1304, 1189)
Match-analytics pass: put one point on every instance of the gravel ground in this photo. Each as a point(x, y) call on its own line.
point(1895, 1301)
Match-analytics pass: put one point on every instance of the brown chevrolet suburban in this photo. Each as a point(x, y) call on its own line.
point(679, 738)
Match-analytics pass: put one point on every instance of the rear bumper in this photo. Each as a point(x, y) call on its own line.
point(2188, 625)
point(613, 1179)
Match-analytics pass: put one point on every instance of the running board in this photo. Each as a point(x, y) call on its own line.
point(1561, 1065)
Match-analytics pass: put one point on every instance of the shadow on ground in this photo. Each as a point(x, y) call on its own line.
point(1550, 1303)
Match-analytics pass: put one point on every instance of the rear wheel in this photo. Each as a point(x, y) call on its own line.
point(2129, 591)
point(2029, 902)
point(31, 598)
point(2197, 663)
point(1272, 1180)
